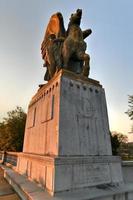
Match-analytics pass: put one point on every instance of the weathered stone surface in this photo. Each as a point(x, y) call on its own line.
point(127, 170)
point(67, 173)
point(6, 190)
point(67, 141)
point(83, 127)
point(68, 116)
point(102, 192)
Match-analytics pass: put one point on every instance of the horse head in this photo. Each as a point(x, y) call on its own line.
point(76, 17)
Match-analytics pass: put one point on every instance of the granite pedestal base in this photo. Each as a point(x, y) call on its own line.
point(59, 174)
point(27, 189)
point(68, 117)
point(67, 140)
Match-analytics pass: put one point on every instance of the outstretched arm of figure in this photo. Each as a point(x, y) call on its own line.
point(86, 33)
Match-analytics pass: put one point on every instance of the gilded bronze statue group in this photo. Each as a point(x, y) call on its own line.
point(65, 48)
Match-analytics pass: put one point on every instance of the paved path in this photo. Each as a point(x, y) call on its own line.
point(6, 191)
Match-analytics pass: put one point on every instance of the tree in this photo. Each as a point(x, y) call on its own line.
point(12, 130)
point(130, 109)
point(117, 139)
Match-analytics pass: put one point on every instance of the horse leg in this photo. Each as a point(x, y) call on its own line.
point(52, 68)
point(66, 53)
point(51, 64)
point(59, 63)
point(66, 58)
point(86, 67)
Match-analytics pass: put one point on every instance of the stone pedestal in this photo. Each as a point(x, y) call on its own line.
point(67, 140)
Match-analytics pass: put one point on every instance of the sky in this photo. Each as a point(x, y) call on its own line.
point(110, 46)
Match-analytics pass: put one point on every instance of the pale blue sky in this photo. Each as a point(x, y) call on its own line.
point(22, 25)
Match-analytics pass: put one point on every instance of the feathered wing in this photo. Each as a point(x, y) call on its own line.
point(56, 27)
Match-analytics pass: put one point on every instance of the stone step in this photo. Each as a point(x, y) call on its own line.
point(6, 191)
point(28, 190)
point(10, 197)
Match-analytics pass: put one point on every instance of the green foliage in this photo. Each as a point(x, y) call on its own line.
point(12, 130)
point(117, 139)
point(130, 105)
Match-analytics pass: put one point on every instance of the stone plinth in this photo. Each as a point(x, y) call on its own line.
point(68, 116)
point(67, 140)
point(59, 174)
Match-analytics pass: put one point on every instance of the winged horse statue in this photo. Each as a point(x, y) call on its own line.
point(65, 48)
